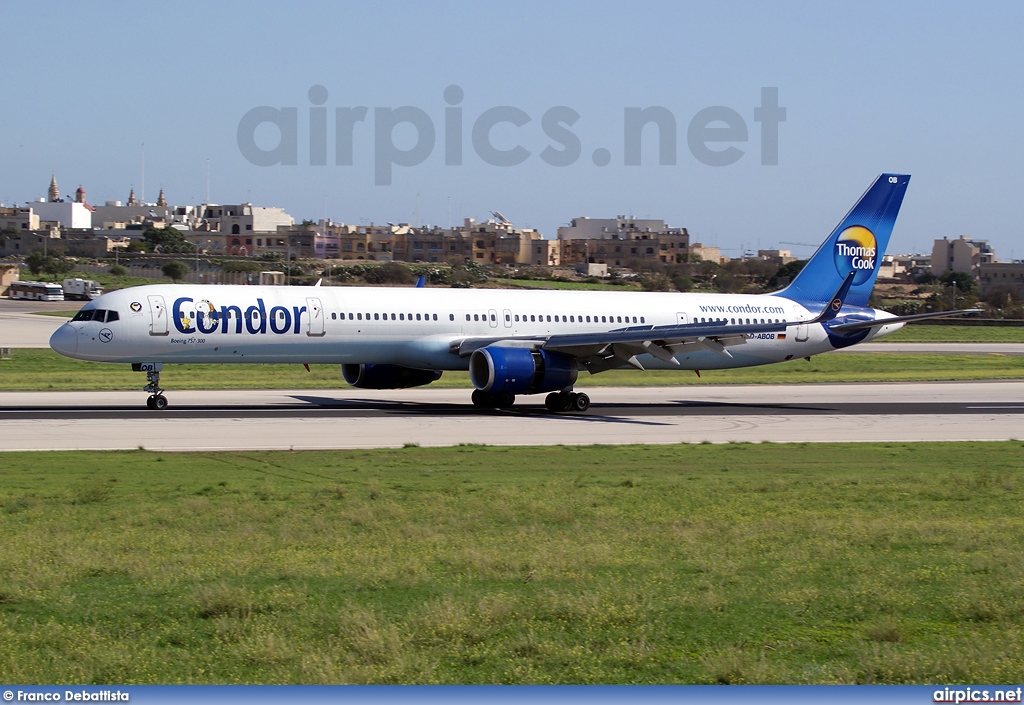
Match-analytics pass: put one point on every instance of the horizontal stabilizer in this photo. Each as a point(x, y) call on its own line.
point(861, 325)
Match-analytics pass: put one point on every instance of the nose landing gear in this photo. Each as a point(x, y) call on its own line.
point(156, 399)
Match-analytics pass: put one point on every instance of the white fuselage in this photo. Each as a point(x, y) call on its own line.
point(413, 327)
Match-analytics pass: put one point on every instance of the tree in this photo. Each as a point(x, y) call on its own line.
point(8, 233)
point(964, 281)
point(389, 273)
point(175, 270)
point(36, 261)
point(786, 273)
point(56, 266)
point(117, 270)
point(169, 240)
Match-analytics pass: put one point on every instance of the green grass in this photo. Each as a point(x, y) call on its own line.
point(867, 563)
point(956, 334)
point(59, 314)
point(45, 370)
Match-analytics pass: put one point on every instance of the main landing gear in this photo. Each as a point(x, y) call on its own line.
point(156, 399)
point(557, 402)
point(490, 400)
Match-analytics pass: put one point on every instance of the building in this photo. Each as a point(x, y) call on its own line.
point(9, 273)
point(779, 257)
point(18, 219)
point(706, 253)
point(113, 215)
point(241, 224)
point(961, 255)
point(548, 253)
point(620, 240)
point(63, 213)
point(996, 278)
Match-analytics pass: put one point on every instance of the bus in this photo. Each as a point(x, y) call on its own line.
point(36, 291)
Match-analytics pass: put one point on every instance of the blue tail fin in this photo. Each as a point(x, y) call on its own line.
point(856, 245)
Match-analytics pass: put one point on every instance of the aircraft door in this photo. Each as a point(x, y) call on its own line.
point(682, 319)
point(508, 318)
point(315, 311)
point(801, 333)
point(158, 315)
point(492, 318)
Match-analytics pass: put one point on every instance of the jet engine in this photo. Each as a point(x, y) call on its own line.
point(498, 370)
point(387, 376)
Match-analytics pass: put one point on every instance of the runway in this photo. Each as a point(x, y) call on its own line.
point(349, 418)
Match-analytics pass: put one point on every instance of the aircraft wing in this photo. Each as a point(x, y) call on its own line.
point(606, 350)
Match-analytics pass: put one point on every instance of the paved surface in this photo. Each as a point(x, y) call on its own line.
point(21, 329)
point(365, 419)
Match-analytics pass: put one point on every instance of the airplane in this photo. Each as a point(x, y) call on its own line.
point(513, 342)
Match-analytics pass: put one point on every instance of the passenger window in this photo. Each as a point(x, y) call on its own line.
point(549, 319)
point(451, 316)
point(467, 317)
point(359, 316)
point(435, 317)
point(588, 319)
point(493, 317)
point(417, 316)
point(572, 319)
point(641, 319)
point(376, 316)
point(507, 318)
point(517, 318)
point(620, 319)
point(532, 319)
point(603, 319)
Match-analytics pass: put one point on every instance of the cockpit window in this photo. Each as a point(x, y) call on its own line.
point(96, 314)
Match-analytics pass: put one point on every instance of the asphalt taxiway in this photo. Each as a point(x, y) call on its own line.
point(350, 418)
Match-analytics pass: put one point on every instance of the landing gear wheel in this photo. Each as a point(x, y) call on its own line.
point(580, 402)
point(557, 402)
point(156, 399)
point(506, 401)
point(482, 400)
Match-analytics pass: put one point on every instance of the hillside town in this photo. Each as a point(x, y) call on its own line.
point(224, 239)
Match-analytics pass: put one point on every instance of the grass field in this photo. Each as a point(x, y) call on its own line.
point(46, 370)
point(956, 334)
point(867, 563)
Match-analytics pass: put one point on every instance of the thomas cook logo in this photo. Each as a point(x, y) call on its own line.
point(856, 251)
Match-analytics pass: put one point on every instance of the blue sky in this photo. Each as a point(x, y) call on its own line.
point(927, 88)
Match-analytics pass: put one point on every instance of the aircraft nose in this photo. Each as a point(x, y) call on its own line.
point(65, 340)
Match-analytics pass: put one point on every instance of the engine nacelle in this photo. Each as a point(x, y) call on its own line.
point(387, 376)
point(500, 370)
